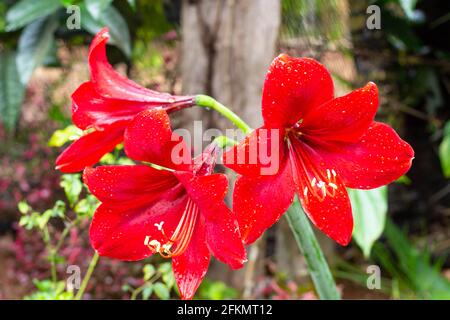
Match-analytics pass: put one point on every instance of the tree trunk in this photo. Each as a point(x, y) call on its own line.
point(226, 50)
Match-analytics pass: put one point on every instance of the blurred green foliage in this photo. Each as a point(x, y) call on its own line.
point(369, 208)
point(42, 22)
point(158, 282)
point(444, 150)
point(414, 274)
point(215, 290)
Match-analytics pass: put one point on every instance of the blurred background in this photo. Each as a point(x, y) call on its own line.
point(223, 48)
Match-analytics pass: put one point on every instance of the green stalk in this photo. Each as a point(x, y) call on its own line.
point(87, 277)
point(202, 100)
point(317, 265)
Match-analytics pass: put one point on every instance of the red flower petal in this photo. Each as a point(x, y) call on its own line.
point(322, 194)
point(293, 87)
point(260, 153)
point(379, 158)
point(259, 202)
point(91, 109)
point(88, 149)
point(222, 231)
point(344, 119)
point(120, 233)
point(332, 215)
point(190, 268)
point(150, 138)
point(111, 84)
point(128, 186)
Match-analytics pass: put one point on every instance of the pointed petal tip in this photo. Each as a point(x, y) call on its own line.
point(283, 57)
point(344, 241)
point(371, 86)
point(87, 172)
point(103, 33)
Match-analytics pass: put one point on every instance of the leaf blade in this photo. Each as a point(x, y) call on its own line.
point(25, 11)
point(369, 209)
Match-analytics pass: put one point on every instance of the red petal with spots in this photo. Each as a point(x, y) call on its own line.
point(344, 119)
point(260, 153)
point(378, 158)
point(332, 215)
point(89, 149)
point(111, 84)
point(259, 202)
point(149, 138)
point(293, 87)
point(128, 186)
point(190, 268)
point(120, 233)
point(322, 194)
point(222, 231)
point(89, 109)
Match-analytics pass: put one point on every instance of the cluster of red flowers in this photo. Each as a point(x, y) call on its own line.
point(177, 208)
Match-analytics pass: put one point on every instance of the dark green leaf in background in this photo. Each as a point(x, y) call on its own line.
point(111, 18)
point(34, 45)
point(96, 7)
point(25, 11)
point(11, 90)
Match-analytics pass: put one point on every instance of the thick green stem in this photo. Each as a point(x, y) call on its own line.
point(315, 260)
point(202, 100)
point(87, 277)
point(224, 141)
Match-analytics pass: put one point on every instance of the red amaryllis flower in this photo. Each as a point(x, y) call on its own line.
point(320, 144)
point(104, 106)
point(179, 213)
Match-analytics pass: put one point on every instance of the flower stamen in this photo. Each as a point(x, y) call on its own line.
point(308, 177)
point(181, 237)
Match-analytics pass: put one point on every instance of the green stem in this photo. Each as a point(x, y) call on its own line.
point(224, 141)
point(202, 100)
point(87, 277)
point(315, 260)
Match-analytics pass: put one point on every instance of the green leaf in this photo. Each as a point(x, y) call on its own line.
point(86, 206)
point(59, 209)
point(35, 43)
point(96, 7)
point(132, 4)
point(111, 18)
point(23, 207)
point(149, 271)
point(408, 7)
point(444, 151)
point(216, 290)
point(147, 292)
point(161, 291)
point(48, 290)
point(165, 267)
point(168, 279)
point(11, 90)
point(62, 136)
point(26, 11)
point(72, 187)
point(369, 209)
